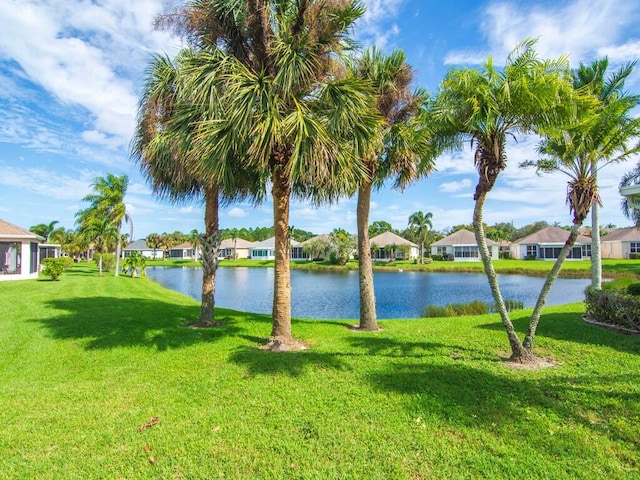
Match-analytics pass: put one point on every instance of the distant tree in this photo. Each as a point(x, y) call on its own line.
point(154, 242)
point(195, 239)
point(103, 233)
point(44, 230)
point(422, 222)
point(314, 248)
point(630, 207)
point(379, 227)
point(529, 229)
point(342, 246)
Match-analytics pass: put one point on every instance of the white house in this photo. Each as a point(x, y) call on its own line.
point(49, 250)
point(620, 243)
point(546, 244)
point(393, 247)
point(141, 247)
point(19, 255)
point(266, 250)
point(241, 247)
point(462, 246)
point(184, 250)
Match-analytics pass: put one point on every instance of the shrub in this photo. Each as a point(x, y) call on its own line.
point(68, 262)
point(512, 305)
point(530, 257)
point(634, 289)
point(613, 307)
point(456, 309)
point(436, 258)
point(53, 267)
point(108, 261)
point(634, 256)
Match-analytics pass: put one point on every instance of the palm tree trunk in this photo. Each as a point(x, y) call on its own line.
point(422, 253)
point(118, 252)
point(596, 256)
point(210, 244)
point(281, 193)
point(100, 263)
point(518, 353)
point(551, 278)
point(368, 319)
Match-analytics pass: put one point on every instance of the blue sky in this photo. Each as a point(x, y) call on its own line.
point(71, 72)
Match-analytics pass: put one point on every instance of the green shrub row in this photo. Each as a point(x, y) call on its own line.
point(613, 307)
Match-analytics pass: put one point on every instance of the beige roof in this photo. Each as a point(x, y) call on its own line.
point(323, 236)
point(629, 234)
point(13, 231)
point(550, 235)
point(239, 243)
point(390, 238)
point(182, 246)
point(461, 237)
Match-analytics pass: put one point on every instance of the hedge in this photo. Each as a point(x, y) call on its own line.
point(613, 307)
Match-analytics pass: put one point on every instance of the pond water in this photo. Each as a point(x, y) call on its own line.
point(335, 294)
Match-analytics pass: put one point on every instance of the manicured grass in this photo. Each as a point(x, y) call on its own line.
point(86, 361)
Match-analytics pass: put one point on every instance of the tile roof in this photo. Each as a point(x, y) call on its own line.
point(551, 235)
point(461, 237)
point(11, 230)
point(240, 243)
point(390, 238)
point(629, 234)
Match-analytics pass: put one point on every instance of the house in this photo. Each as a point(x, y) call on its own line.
point(389, 246)
point(322, 242)
point(620, 243)
point(141, 247)
point(241, 247)
point(184, 250)
point(266, 250)
point(461, 246)
point(49, 250)
point(19, 253)
point(546, 244)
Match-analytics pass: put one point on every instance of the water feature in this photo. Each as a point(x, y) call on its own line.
point(326, 294)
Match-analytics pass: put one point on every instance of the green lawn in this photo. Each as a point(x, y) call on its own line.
point(87, 361)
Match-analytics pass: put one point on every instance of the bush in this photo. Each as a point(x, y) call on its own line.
point(634, 256)
point(108, 261)
point(53, 267)
point(530, 257)
point(68, 262)
point(634, 289)
point(511, 305)
point(613, 307)
point(436, 258)
point(456, 309)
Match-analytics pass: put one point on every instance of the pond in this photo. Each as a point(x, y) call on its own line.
point(326, 294)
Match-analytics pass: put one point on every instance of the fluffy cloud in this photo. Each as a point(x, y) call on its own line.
point(451, 187)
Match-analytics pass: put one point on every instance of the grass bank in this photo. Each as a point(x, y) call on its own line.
point(86, 363)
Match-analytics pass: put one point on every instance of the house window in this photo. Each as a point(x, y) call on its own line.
point(465, 252)
point(586, 250)
point(441, 250)
point(10, 258)
point(532, 251)
point(634, 247)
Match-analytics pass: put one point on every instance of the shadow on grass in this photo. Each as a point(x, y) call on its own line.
point(570, 327)
point(473, 397)
point(107, 322)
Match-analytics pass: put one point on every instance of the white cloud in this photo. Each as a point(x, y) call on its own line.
point(376, 25)
point(236, 212)
point(41, 182)
point(451, 187)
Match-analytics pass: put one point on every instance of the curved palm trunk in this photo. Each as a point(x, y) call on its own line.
point(368, 319)
point(551, 278)
point(596, 256)
point(518, 352)
point(281, 193)
point(210, 242)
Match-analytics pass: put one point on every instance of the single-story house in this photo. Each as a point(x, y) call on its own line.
point(389, 246)
point(19, 253)
point(463, 247)
point(546, 244)
point(184, 250)
point(241, 246)
point(266, 250)
point(620, 243)
point(49, 250)
point(322, 242)
point(141, 247)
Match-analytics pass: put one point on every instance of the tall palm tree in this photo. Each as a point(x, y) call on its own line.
point(422, 223)
point(285, 111)
point(107, 201)
point(179, 168)
point(399, 150)
point(609, 89)
point(487, 105)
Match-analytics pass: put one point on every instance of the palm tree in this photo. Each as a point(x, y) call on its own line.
point(284, 110)
point(400, 150)
point(422, 223)
point(102, 232)
point(196, 241)
point(487, 105)
point(153, 241)
point(631, 206)
point(609, 90)
point(44, 230)
point(107, 201)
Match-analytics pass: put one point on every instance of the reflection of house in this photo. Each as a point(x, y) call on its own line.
point(141, 247)
point(241, 246)
point(392, 247)
point(546, 244)
point(266, 250)
point(19, 256)
point(620, 243)
point(462, 247)
point(184, 250)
